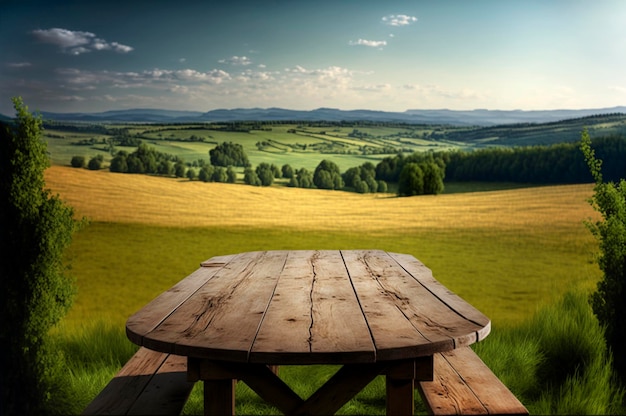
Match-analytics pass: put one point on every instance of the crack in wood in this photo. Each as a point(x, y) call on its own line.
point(312, 262)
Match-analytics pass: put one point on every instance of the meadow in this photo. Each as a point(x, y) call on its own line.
point(507, 252)
point(512, 253)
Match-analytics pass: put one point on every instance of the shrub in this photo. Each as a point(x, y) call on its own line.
point(608, 301)
point(95, 163)
point(36, 292)
point(78, 161)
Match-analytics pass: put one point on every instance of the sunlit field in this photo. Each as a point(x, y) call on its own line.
point(507, 252)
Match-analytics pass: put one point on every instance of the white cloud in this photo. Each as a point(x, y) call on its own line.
point(399, 20)
point(77, 42)
point(369, 43)
point(236, 60)
point(77, 77)
point(19, 65)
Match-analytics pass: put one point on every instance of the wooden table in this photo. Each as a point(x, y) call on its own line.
point(370, 311)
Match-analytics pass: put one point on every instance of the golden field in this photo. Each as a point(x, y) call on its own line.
point(123, 198)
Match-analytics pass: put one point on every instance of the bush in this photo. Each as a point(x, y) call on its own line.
point(608, 301)
point(95, 163)
point(37, 227)
point(78, 161)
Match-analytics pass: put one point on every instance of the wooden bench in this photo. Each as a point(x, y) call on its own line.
point(150, 383)
point(463, 384)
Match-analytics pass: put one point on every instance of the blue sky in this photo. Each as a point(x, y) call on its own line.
point(390, 55)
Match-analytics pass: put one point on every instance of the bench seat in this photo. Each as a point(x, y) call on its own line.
point(463, 384)
point(150, 383)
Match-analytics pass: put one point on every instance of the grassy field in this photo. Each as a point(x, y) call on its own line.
point(507, 252)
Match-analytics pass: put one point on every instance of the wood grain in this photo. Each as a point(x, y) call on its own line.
point(308, 307)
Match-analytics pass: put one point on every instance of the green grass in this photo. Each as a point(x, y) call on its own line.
point(505, 275)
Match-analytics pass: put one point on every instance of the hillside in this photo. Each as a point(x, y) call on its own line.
point(480, 117)
point(111, 197)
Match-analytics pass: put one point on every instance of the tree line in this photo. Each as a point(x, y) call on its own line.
point(415, 174)
point(554, 164)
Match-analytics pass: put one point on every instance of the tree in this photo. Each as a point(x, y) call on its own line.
point(411, 181)
point(608, 301)
point(36, 227)
point(78, 162)
point(304, 178)
point(265, 172)
point(287, 171)
point(191, 174)
point(250, 177)
point(95, 163)
point(118, 163)
point(206, 173)
point(433, 178)
point(231, 175)
point(327, 175)
point(219, 174)
point(229, 154)
point(165, 168)
point(179, 169)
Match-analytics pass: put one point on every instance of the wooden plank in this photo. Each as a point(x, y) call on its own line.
point(221, 320)
point(193, 316)
point(122, 391)
point(448, 394)
point(288, 313)
point(339, 332)
point(425, 276)
point(159, 308)
point(429, 314)
point(168, 390)
point(393, 334)
point(491, 392)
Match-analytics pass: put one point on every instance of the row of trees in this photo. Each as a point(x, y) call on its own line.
point(416, 174)
point(559, 163)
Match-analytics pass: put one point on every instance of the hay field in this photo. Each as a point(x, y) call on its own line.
point(109, 197)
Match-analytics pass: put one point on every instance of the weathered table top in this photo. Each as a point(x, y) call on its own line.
point(308, 307)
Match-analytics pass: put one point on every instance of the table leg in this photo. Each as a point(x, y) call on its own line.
point(400, 396)
point(219, 397)
point(400, 382)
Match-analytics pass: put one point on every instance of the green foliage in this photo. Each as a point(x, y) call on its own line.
point(229, 154)
point(95, 163)
point(179, 169)
point(327, 175)
point(231, 175)
point(556, 362)
point(420, 175)
point(411, 181)
point(36, 228)
point(265, 173)
point(287, 171)
point(558, 163)
point(144, 159)
point(363, 179)
point(250, 177)
point(608, 301)
point(78, 161)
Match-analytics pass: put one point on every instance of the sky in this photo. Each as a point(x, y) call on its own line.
point(390, 55)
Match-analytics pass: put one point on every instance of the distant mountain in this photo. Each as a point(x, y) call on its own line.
point(145, 115)
point(449, 117)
